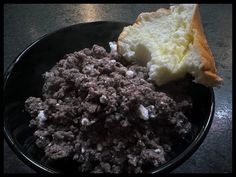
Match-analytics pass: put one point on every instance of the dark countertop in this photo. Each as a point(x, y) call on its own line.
point(25, 23)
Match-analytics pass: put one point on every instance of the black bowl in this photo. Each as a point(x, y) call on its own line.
point(24, 78)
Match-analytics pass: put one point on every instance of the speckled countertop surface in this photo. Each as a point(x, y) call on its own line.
point(25, 23)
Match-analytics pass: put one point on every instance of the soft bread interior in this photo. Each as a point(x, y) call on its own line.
point(163, 41)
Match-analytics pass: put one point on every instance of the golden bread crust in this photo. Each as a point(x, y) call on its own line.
point(200, 42)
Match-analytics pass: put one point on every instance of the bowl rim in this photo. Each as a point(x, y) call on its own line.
point(167, 167)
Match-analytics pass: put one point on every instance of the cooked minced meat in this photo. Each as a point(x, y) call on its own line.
point(107, 116)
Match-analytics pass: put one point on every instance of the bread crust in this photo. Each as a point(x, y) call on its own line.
point(210, 78)
point(209, 75)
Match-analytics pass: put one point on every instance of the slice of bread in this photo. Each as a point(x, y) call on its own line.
point(171, 43)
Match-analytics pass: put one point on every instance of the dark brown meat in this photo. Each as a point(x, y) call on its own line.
point(106, 116)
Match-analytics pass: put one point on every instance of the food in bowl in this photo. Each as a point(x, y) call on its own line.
point(109, 115)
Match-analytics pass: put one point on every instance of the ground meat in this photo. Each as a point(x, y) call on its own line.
point(108, 117)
